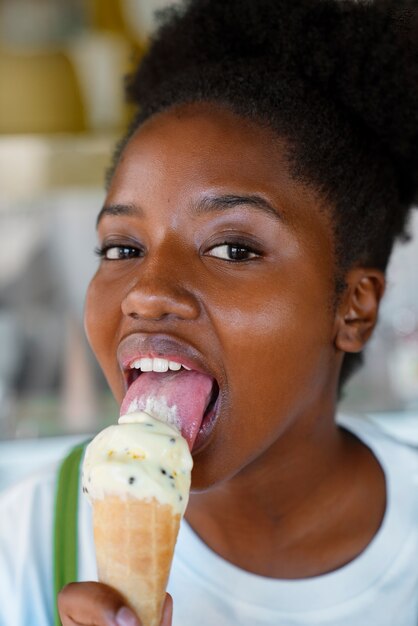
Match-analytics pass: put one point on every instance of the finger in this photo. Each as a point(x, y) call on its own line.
point(67, 621)
point(93, 604)
point(167, 611)
point(125, 617)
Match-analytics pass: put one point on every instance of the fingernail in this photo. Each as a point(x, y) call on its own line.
point(125, 617)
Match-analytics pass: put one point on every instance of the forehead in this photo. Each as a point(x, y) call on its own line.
point(210, 140)
point(191, 149)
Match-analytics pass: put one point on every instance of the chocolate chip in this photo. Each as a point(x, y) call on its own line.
point(131, 480)
point(172, 440)
point(163, 471)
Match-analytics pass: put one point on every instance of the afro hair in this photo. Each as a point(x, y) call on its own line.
point(337, 79)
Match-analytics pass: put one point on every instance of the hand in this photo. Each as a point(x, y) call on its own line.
point(95, 604)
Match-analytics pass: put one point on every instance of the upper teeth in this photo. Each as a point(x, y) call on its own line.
point(156, 365)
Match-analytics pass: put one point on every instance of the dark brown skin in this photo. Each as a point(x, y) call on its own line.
point(277, 476)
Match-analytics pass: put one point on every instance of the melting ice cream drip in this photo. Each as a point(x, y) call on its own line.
point(157, 407)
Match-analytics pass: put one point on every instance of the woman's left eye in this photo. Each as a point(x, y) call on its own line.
point(233, 252)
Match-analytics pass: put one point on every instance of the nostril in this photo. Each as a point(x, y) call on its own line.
point(154, 317)
point(162, 302)
point(139, 316)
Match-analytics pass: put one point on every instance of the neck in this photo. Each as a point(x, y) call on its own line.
point(291, 500)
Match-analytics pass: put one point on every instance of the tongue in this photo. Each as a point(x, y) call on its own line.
point(179, 398)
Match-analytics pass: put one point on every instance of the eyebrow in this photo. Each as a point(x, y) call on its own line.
point(208, 204)
point(118, 209)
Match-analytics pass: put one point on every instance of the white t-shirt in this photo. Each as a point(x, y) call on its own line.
point(378, 588)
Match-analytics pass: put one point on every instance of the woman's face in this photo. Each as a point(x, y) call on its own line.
point(216, 256)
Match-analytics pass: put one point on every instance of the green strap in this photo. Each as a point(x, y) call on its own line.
point(65, 526)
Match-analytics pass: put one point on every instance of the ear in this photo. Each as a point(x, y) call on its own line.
point(358, 309)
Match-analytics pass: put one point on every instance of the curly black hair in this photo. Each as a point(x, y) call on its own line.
point(337, 79)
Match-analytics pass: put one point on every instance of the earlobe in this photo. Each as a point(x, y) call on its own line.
point(357, 312)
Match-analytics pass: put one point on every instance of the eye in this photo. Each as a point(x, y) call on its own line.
point(233, 252)
point(116, 252)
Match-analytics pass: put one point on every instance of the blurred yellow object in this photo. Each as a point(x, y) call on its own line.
point(39, 93)
point(107, 15)
point(120, 17)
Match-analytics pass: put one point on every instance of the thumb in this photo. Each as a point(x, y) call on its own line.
point(167, 615)
point(125, 617)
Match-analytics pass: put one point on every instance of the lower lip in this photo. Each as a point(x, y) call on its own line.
point(207, 427)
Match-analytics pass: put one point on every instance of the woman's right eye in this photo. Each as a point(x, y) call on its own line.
point(118, 252)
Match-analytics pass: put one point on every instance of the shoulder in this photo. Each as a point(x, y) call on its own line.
point(394, 443)
point(41, 481)
point(26, 511)
point(396, 450)
point(386, 433)
point(22, 501)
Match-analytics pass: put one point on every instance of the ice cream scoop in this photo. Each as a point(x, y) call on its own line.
point(137, 476)
point(141, 457)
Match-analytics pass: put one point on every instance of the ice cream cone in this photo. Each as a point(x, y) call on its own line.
point(135, 542)
point(137, 476)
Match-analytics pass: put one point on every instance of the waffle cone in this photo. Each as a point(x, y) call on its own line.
point(135, 542)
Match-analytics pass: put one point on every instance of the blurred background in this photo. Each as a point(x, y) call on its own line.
point(62, 64)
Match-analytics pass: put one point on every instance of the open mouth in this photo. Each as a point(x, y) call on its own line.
point(212, 400)
point(173, 392)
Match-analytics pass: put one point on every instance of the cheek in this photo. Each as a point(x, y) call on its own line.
point(101, 318)
point(274, 323)
point(278, 346)
point(277, 367)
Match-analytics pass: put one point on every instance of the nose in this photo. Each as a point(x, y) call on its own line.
point(158, 293)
